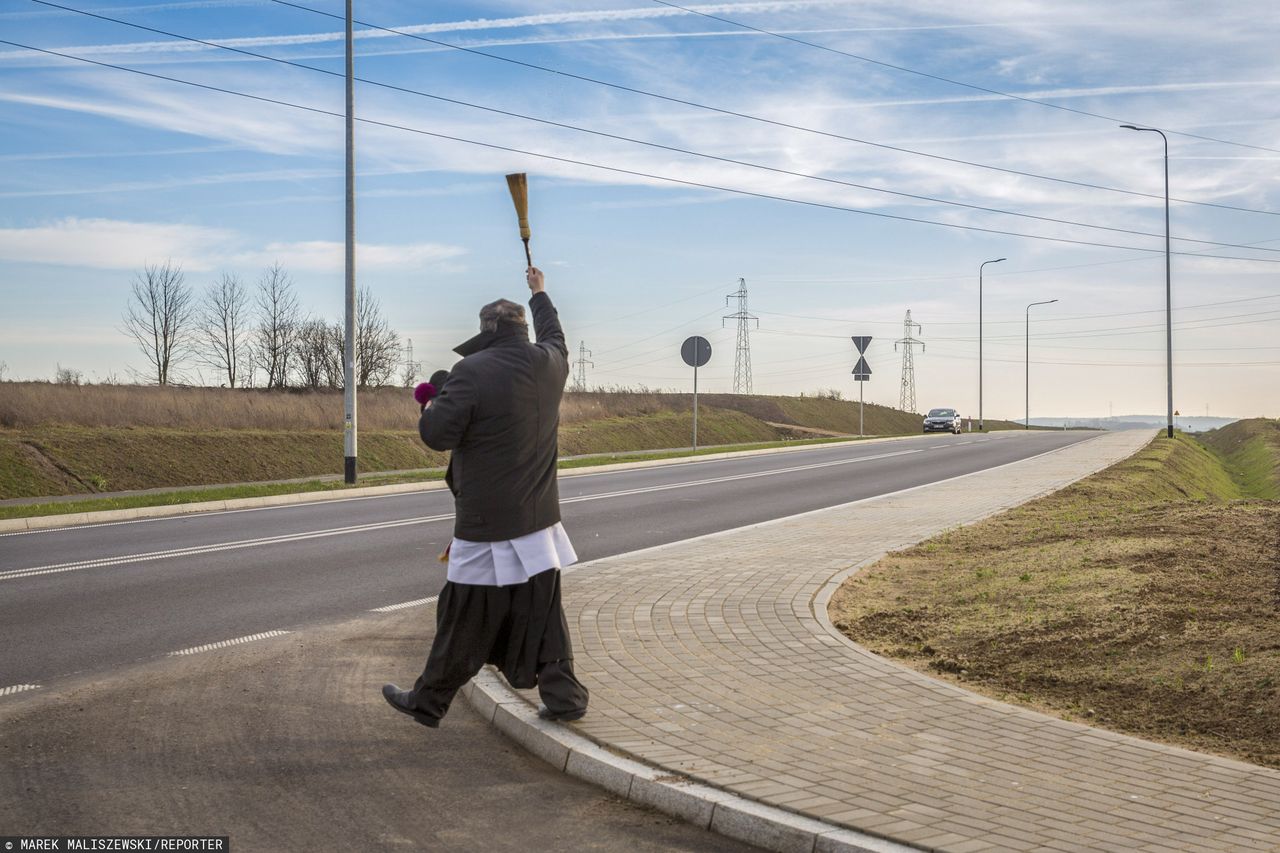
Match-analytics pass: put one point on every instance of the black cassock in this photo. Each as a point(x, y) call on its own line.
point(519, 628)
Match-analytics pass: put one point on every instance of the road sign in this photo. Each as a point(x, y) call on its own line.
point(862, 370)
point(861, 342)
point(696, 351)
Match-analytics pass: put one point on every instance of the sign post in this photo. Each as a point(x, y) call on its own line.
point(861, 371)
point(696, 351)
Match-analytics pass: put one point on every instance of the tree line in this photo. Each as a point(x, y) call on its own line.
point(253, 336)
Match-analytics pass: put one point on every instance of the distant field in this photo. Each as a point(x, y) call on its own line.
point(63, 440)
point(1145, 598)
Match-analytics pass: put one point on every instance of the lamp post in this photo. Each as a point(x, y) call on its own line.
point(1168, 272)
point(1027, 371)
point(980, 266)
point(349, 316)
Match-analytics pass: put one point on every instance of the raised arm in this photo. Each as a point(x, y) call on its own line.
point(546, 322)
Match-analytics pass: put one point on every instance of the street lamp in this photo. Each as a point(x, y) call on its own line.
point(1168, 271)
point(980, 266)
point(349, 423)
point(1027, 422)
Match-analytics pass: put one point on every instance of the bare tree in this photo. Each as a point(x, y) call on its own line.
point(377, 344)
point(334, 353)
point(161, 318)
point(278, 322)
point(224, 318)
point(311, 353)
point(4, 368)
point(67, 376)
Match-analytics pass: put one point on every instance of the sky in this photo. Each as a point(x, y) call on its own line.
point(848, 161)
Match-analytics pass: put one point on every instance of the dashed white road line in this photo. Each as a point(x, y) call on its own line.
point(208, 647)
point(17, 688)
point(78, 565)
point(404, 604)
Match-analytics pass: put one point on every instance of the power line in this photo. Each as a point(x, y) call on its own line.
point(648, 143)
point(774, 122)
point(949, 80)
point(1045, 319)
point(631, 172)
point(1118, 331)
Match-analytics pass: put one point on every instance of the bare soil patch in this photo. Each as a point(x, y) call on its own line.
point(1143, 599)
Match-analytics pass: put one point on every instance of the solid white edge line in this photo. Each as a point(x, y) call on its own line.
point(438, 485)
point(785, 518)
point(195, 550)
point(207, 647)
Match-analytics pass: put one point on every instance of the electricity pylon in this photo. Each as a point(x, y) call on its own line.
point(742, 358)
point(907, 394)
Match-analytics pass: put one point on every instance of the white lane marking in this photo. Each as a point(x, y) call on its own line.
point(207, 549)
point(77, 565)
point(18, 688)
point(223, 644)
point(14, 574)
point(772, 522)
point(402, 605)
point(212, 512)
point(567, 472)
point(731, 477)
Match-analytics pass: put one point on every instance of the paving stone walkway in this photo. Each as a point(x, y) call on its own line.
point(714, 658)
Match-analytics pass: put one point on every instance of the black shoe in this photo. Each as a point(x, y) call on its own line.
point(561, 716)
point(399, 699)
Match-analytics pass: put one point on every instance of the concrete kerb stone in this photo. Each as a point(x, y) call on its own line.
point(702, 805)
point(79, 519)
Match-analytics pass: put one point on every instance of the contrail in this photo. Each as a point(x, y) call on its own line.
point(548, 19)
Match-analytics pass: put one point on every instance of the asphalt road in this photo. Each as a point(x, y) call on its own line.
point(89, 600)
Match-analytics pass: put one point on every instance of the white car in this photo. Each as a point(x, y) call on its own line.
point(939, 420)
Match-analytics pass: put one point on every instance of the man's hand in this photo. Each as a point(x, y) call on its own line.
point(533, 275)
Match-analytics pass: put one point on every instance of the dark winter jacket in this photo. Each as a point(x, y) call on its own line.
point(499, 412)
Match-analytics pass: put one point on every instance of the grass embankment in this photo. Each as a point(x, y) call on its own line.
point(1144, 599)
point(67, 440)
point(1250, 450)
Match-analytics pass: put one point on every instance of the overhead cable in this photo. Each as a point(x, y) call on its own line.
point(762, 119)
point(649, 143)
point(973, 86)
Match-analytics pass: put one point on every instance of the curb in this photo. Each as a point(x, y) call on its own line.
point(79, 519)
point(710, 808)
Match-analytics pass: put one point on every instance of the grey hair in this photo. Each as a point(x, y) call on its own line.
point(503, 311)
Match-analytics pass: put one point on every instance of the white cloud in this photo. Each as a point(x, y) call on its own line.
point(111, 244)
point(329, 256)
point(118, 245)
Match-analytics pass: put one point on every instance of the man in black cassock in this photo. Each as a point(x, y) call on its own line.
point(498, 412)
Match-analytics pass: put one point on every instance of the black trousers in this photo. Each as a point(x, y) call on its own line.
point(520, 629)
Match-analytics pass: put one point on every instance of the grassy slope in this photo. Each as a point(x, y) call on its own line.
point(1144, 598)
point(63, 460)
point(63, 440)
point(1251, 451)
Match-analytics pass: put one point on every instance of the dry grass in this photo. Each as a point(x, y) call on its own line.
point(35, 404)
point(24, 405)
point(1144, 599)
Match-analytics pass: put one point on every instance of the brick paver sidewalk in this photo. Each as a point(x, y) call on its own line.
point(714, 658)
